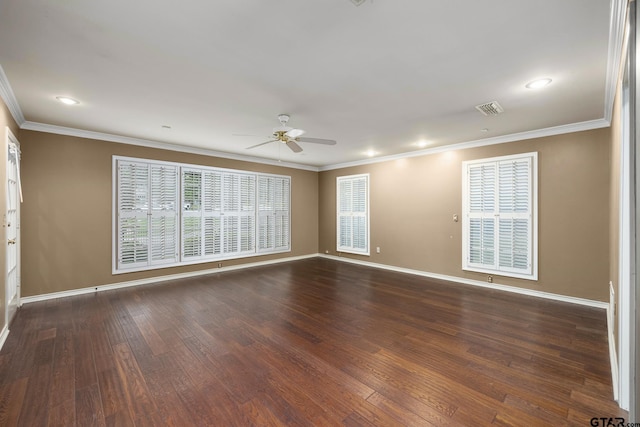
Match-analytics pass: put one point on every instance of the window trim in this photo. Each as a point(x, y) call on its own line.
point(534, 216)
point(351, 250)
point(181, 262)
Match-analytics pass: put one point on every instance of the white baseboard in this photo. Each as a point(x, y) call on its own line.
point(3, 335)
point(462, 280)
point(158, 279)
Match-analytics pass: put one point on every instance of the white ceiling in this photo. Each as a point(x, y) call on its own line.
point(380, 76)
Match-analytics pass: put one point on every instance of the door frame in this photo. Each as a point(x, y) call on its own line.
point(11, 140)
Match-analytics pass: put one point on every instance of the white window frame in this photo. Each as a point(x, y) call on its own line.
point(242, 214)
point(352, 214)
point(532, 273)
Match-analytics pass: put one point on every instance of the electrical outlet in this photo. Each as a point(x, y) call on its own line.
point(327, 251)
point(490, 279)
point(219, 265)
point(378, 249)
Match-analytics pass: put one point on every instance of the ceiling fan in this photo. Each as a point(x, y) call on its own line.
point(290, 136)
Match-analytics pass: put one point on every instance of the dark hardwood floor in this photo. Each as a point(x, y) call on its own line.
point(306, 343)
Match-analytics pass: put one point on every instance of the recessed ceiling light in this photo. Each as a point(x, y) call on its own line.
point(537, 84)
point(484, 130)
point(422, 143)
point(66, 100)
point(371, 153)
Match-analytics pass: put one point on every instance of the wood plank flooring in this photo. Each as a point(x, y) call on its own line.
point(307, 343)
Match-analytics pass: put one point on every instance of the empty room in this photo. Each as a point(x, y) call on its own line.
point(347, 212)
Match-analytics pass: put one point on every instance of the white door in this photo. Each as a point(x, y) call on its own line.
point(13, 227)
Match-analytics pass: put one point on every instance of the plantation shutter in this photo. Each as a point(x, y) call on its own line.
point(218, 216)
point(147, 214)
point(177, 214)
point(273, 213)
point(192, 205)
point(515, 215)
point(164, 214)
point(499, 217)
point(133, 219)
point(482, 229)
point(353, 214)
point(238, 216)
point(247, 213)
point(212, 213)
point(281, 213)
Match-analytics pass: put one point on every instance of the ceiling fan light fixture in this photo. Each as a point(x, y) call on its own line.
point(538, 84)
point(294, 133)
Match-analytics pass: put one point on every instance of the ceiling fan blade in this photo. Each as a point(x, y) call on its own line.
point(262, 143)
point(294, 147)
point(294, 133)
point(317, 141)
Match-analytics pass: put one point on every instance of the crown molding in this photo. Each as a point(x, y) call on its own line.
point(617, 26)
point(521, 136)
point(9, 98)
point(61, 130)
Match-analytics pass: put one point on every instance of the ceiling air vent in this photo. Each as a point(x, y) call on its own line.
point(490, 108)
point(357, 2)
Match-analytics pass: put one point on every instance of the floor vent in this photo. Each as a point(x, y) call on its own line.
point(490, 108)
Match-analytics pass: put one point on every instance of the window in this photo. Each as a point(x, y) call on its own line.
point(273, 213)
point(353, 214)
point(169, 214)
point(500, 216)
point(218, 213)
point(147, 214)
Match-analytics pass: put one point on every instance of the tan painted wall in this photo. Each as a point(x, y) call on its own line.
point(412, 202)
point(6, 120)
point(66, 215)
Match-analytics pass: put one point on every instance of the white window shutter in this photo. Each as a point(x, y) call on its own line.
point(353, 214)
point(212, 214)
point(192, 204)
point(164, 214)
point(500, 213)
point(515, 215)
point(247, 213)
point(147, 214)
point(482, 197)
point(273, 213)
point(174, 214)
point(282, 227)
point(133, 220)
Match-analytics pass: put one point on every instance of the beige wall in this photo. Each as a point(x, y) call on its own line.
point(412, 202)
point(6, 120)
point(66, 214)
